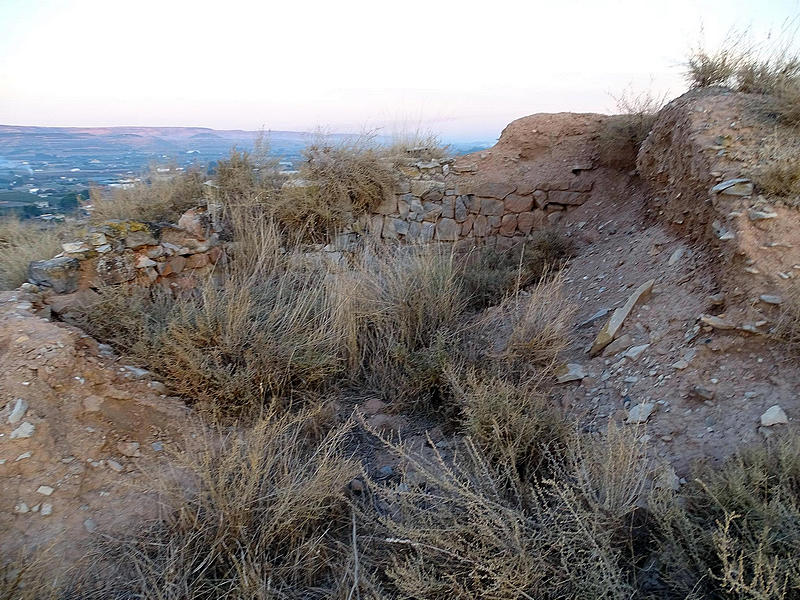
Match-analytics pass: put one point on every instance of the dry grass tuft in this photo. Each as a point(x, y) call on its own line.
point(465, 529)
point(157, 197)
point(537, 324)
point(257, 514)
point(622, 135)
point(336, 184)
point(22, 242)
point(787, 326)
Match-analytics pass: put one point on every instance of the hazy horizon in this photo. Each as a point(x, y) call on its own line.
point(456, 69)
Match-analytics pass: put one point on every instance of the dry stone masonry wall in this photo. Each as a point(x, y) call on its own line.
point(146, 254)
point(435, 202)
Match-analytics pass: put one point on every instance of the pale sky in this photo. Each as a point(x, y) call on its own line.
point(462, 69)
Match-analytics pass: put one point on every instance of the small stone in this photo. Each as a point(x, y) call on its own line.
point(759, 215)
point(623, 342)
point(136, 371)
point(716, 299)
point(157, 446)
point(21, 508)
point(19, 410)
point(129, 449)
point(680, 364)
point(640, 413)
point(74, 247)
point(23, 431)
point(675, 257)
point(44, 490)
point(23, 456)
point(570, 372)
point(668, 480)
point(114, 465)
point(143, 262)
point(46, 510)
point(774, 415)
point(90, 525)
point(92, 403)
point(612, 327)
point(717, 322)
point(770, 299)
point(635, 352)
point(701, 393)
point(734, 187)
point(598, 315)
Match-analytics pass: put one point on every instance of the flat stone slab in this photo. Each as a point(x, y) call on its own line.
point(611, 329)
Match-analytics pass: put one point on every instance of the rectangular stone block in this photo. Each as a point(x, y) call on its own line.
point(517, 204)
point(447, 230)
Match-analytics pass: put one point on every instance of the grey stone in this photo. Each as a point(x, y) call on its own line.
point(570, 372)
point(25, 430)
point(770, 299)
point(734, 187)
point(19, 410)
point(760, 215)
point(59, 274)
point(447, 230)
point(137, 239)
point(640, 413)
point(495, 190)
point(491, 207)
point(460, 212)
point(612, 327)
point(113, 269)
point(774, 415)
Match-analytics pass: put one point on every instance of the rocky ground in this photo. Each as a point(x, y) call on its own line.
point(688, 365)
point(81, 433)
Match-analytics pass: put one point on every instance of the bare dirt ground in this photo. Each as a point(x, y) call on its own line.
point(82, 456)
point(709, 386)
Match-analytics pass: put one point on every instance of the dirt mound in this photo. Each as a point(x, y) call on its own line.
point(80, 434)
point(696, 391)
point(701, 162)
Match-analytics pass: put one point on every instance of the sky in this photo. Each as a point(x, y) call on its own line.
point(461, 69)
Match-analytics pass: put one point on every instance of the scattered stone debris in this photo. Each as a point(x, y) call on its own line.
point(570, 372)
point(640, 413)
point(19, 410)
point(717, 322)
point(611, 329)
point(23, 431)
point(774, 415)
point(734, 187)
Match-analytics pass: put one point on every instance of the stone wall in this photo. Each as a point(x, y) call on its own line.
point(435, 201)
point(146, 254)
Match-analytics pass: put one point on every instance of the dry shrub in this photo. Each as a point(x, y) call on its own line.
point(418, 145)
point(465, 529)
point(536, 323)
point(405, 310)
point(157, 197)
point(771, 68)
point(230, 347)
point(490, 274)
point(621, 135)
point(336, 184)
point(22, 242)
point(248, 176)
point(787, 325)
point(257, 514)
point(516, 426)
point(734, 531)
point(777, 172)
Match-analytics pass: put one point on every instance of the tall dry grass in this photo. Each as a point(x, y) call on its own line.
point(156, 197)
point(255, 514)
point(22, 242)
